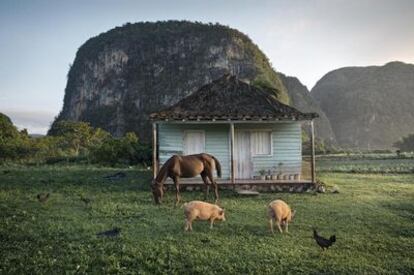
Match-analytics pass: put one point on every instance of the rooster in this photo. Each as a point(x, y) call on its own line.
point(322, 242)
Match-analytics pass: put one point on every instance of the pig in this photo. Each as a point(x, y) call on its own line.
point(202, 211)
point(281, 213)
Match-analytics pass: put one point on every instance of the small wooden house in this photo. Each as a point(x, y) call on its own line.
point(256, 138)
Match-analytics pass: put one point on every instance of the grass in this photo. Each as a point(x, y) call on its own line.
point(372, 216)
point(366, 164)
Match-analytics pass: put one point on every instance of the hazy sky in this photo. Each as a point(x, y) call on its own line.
point(306, 39)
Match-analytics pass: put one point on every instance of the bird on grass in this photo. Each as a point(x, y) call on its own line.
point(42, 197)
point(110, 233)
point(87, 201)
point(322, 242)
point(205, 240)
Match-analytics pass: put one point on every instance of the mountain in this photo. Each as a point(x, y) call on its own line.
point(301, 99)
point(119, 77)
point(368, 107)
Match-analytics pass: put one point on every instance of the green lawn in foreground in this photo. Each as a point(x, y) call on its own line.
point(372, 216)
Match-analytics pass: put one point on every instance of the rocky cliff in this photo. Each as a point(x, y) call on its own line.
point(368, 107)
point(301, 99)
point(121, 76)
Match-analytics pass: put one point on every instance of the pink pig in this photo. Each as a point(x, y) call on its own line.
point(202, 211)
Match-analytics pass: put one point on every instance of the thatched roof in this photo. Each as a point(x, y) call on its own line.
point(228, 98)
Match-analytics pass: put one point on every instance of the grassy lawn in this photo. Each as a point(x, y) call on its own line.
point(372, 216)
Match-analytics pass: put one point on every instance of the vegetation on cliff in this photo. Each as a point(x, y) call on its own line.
point(119, 77)
point(301, 99)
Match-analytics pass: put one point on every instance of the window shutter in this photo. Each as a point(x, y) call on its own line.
point(261, 143)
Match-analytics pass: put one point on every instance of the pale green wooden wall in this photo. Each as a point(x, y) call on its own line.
point(287, 147)
point(216, 142)
point(287, 144)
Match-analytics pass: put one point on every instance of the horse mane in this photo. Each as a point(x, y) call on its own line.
point(163, 173)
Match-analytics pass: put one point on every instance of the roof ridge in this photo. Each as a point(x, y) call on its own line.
point(229, 98)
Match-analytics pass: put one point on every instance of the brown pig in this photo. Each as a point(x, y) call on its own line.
point(202, 211)
point(281, 213)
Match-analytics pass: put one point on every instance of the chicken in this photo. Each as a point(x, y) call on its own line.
point(322, 242)
point(85, 200)
point(42, 197)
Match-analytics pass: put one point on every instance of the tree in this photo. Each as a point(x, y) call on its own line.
point(13, 144)
point(406, 143)
point(125, 150)
point(78, 137)
point(7, 129)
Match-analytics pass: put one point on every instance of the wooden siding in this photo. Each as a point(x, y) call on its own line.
point(216, 142)
point(286, 144)
point(287, 147)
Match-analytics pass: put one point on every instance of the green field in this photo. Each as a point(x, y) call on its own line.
point(375, 163)
point(372, 216)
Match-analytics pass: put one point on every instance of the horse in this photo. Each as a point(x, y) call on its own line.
point(188, 166)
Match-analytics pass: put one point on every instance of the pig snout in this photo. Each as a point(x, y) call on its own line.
point(221, 216)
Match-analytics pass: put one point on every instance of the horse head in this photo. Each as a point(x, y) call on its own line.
point(157, 191)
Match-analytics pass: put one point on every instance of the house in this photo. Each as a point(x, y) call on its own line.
point(245, 127)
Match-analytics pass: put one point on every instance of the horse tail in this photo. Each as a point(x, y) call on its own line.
point(218, 166)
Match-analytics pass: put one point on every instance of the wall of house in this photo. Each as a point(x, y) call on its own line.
point(286, 148)
point(171, 136)
point(286, 145)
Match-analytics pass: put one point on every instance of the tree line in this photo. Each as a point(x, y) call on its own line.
point(71, 141)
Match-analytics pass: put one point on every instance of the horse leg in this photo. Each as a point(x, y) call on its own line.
point(177, 191)
point(206, 185)
point(210, 177)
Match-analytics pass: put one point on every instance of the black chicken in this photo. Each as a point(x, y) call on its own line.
point(86, 201)
point(322, 242)
point(43, 197)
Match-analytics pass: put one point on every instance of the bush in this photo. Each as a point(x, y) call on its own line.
point(126, 150)
point(405, 144)
point(70, 142)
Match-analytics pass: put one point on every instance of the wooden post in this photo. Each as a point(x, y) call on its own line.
point(154, 151)
point(233, 172)
point(312, 144)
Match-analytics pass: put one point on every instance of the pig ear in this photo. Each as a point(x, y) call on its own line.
point(221, 212)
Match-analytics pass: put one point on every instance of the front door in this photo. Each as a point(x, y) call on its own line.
point(242, 157)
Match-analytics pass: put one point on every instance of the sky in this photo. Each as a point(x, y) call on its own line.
point(302, 38)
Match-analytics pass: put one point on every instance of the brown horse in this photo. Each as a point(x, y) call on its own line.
point(189, 166)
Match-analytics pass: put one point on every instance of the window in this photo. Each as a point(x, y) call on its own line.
point(261, 143)
point(193, 142)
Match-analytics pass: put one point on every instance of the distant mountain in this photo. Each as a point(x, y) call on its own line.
point(36, 135)
point(301, 99)
point(368, 107)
